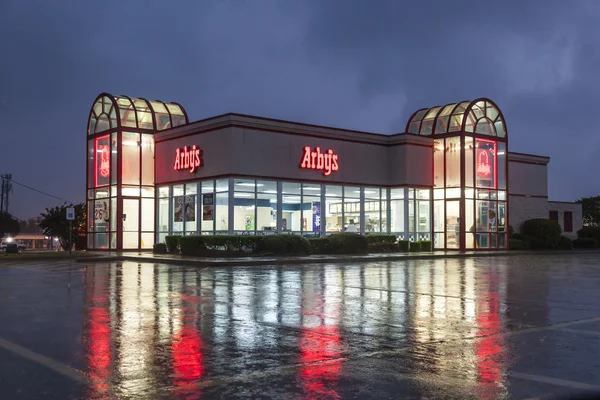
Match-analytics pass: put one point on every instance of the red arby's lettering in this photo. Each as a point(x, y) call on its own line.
point(326, 161)
point(484, 169)
point(188, 158)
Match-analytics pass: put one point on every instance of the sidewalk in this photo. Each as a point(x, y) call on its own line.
point(253, 261)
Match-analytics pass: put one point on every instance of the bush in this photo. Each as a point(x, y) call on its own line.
point(535, 243)
point(415, 247)
point(234, 243)
point(80, 242)
point(589, 232)
point(518, 236)
point(425, 245)
point(516, 244)
point(12, 248)
point(159, 248)
point(565, 243)
point(348, 243)
point(319, 245)
point(192, 245)
point(546, 231)
point(382, 238)
point(404, 245)
point(383, 247)
point(585, 243)
point(172, 243)
point(283, 245)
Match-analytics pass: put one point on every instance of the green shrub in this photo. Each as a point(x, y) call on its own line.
point(172, 243)
point(585, 243)
point(283, 245)
point(565, 243)
point(535, 243)
point(383, 248)
point(415, 247)
point(348, 243)
point(511, 231)
point(546, 231)
point(80, 242)
point(319, 245)
point(518, 236)
point(233, 243)
point(589, 232)
point(192, 245)
point(382, 238)
point(12, 248)
point(404, 245)
point(425, 245)
point(516, 244)
point(159, 248)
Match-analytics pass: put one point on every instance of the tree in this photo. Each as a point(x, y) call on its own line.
point(8, 225)
point(54, 223)
point(591, 210)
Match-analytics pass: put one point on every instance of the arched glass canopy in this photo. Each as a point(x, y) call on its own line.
point(110, 112)
point(481, 116)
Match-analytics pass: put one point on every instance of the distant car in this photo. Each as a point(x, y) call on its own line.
point(20, 246)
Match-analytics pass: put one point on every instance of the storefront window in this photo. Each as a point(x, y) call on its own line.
point(208, 207)
point(266, 212)
point(244, 205)
point(131, 158)
point(452, 224)
point(131, 209)
point(147, 160)
point(469, 161)
point(438, 163)
point(163, 215)
point(189, 215)
point(373, 210)
point(291, 207)
point(351, 209)
point(397, 211)
point(334, 208)
point(501, 166)
point(178, 208)
point(222, 212)
point(453, 162)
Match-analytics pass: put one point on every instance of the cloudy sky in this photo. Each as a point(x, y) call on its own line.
point(363, 65)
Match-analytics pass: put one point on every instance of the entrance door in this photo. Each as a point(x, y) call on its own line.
point(131, 224)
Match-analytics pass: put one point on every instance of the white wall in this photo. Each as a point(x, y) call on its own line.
point(575, 208)
point(522, 208)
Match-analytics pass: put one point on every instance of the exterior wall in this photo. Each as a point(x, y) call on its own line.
point(521, 208)
point(230, 150)
point(575, 208)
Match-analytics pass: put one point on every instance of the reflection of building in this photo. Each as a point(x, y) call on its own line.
point(449, 178)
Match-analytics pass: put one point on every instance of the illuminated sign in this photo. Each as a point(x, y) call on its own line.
point(102, 161)
point(188, 159)
point(326, 162)
point(484, 168)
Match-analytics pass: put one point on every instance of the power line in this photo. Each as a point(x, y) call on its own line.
point(39, 191)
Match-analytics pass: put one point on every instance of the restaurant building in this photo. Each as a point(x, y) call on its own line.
point(449, 177)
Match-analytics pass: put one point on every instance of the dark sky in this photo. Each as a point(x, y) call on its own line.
point(363, 65)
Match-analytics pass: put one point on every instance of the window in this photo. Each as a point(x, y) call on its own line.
point(554, 215)
point(311, 209)
point(568, 221)
point(373, 210)
point(453, 162)
point(397, 210)
point(334, 208)
point(291, 207)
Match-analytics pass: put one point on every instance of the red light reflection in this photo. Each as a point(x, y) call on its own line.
point(323, 347)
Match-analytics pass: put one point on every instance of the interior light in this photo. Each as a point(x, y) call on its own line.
point(9, 239)
point(270, 191)
point(244, 195)
point(311, 188)
point(367, 192)
point(249, 184)
point(130, 143)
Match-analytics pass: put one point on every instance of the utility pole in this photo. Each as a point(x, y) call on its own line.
point(6, 189)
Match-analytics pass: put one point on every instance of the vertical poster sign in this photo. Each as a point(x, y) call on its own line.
point(190, 208)
point(485, 163)
point(249, 222)
point(178, 209)
point(208, 207)
point(101, 214)
point(316, 216)
point(102, 160)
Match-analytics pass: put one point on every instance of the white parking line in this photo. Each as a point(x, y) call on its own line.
point(54, 365)
point(579, 331)
point(554, 381)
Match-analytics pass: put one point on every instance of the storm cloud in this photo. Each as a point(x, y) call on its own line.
point(363, 65)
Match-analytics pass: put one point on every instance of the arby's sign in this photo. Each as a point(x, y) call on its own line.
point(326, 161)
point(484, 168)
point(188, 159)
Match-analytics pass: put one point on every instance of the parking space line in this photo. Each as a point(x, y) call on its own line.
point(54, 365)
point(554, 381)
point(580, 331)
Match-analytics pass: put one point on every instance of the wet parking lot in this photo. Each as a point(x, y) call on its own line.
point(482, 328)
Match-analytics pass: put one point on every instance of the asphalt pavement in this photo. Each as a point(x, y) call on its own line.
point(521, 327)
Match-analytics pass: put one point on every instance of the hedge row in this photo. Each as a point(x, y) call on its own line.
point(339, 243)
